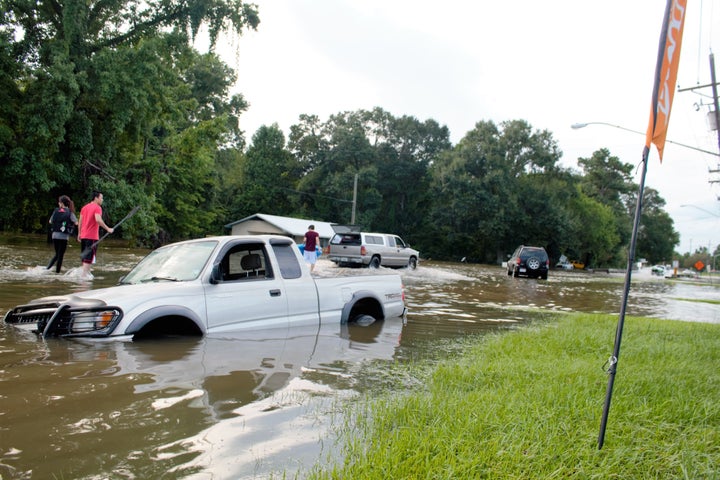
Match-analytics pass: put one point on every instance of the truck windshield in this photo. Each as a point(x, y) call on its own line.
point(176, 263)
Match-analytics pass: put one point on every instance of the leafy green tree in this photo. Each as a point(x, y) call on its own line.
point(608, 180)
point(267, 176)
point(404, 148)
point(106, 93)
point(657, 237)
point(595, 230)
point(486, 201)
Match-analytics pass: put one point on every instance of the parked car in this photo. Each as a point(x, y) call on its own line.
point(564, 263)
point(658, 270)
point(215, 285)
point(352, 247)
point(529, 262)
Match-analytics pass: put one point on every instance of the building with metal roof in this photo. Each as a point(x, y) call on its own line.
point(263, 224)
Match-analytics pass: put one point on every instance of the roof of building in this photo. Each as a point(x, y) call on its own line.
point(292, 226)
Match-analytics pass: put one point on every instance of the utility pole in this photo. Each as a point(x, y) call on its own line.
point(716, 107)
point(354, 202)
point(715, 119)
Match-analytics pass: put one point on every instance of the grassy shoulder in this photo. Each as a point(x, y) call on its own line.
point(527, 404)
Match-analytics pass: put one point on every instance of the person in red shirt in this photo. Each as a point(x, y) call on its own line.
point(311, 241)
point(89, 233)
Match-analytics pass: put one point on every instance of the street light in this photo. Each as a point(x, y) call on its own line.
point(576, 126)
point(702, 209)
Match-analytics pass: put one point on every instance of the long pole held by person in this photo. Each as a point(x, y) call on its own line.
point(95, 243)
point(663, 89)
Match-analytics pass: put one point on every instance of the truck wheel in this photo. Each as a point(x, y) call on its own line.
point(412, 263)
point(374, 262)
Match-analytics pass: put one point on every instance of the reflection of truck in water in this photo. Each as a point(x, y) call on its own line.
point(212, 285)
point(203, 404)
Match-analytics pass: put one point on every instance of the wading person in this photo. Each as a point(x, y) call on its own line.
point(90, 223)
point(63, 223)
point(311, 241)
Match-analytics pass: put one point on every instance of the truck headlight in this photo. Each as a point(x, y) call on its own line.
point(92, 321)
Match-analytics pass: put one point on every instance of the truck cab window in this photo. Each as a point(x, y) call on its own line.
point(289, 266)
point(245, 262)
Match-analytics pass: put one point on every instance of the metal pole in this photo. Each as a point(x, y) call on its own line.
point(354, 202)
point(713, 82)
point(613, 361)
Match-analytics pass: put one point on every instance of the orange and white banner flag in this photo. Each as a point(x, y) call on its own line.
point(666, 74)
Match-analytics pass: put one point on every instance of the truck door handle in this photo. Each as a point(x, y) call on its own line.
point(275, 292)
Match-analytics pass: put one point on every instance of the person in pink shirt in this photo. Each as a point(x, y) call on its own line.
point(90, 222)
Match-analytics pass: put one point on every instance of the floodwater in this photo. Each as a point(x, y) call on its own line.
point(260, 404)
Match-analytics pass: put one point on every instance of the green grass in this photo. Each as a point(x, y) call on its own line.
point(527, 404)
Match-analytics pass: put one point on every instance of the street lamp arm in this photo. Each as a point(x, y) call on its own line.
point(701, 209)
point(576, 126)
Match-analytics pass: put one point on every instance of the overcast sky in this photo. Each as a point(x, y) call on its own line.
point(459, 62)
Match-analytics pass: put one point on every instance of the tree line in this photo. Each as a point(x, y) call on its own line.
point(112, 96)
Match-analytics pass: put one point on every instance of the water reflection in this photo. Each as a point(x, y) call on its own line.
point(142, 403)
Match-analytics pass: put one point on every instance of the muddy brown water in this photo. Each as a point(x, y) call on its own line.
point(257, 404)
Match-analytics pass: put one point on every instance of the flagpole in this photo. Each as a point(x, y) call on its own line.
point(613, 361)
point(663, 87)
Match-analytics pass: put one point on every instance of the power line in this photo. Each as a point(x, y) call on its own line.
point(316, 195)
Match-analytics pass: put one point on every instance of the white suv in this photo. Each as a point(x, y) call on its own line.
point(351, 247)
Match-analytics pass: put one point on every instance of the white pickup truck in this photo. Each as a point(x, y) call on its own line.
point(214, 285)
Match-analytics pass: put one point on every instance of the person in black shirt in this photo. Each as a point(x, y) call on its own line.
point(64, 224)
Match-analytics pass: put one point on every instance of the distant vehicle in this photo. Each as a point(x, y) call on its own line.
point(564, 264)
point(529, 262)
point(687, 273)
point(658, 270)
point(352, 247)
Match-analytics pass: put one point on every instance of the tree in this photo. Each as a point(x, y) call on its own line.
point(598, 238)
point(488, 193)
point(388, 155)
point(657, 237)
point(106, 93)
point(608, 180)
point(267, 176)
point(404, 153)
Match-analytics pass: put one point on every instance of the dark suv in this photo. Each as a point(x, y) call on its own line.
point(529, 261)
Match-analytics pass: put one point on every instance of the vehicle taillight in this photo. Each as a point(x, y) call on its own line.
point(518, 261)
point(363, 250)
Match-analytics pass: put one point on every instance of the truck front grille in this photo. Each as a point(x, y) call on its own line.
point(27, 314)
